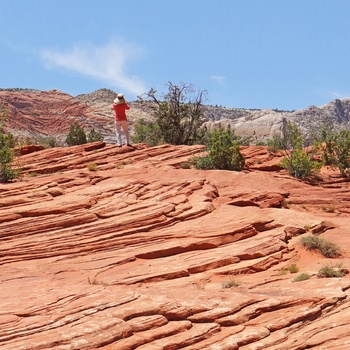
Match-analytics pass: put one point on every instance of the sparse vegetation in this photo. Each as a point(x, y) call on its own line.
point(330, 271)
point(9, 170)
point(202, 162)
point(289, 269)
point(275, 144)
point(147, 132)
point(33, 174)
point(300, 165)
point(293, 268)
point(121, 165)
point(329, 209)
point(336, 150)
point(323, 246)
point(231, 283)
point(94, 136)
point(302, 277)
point(307, 227)
point(185, 165)
point(297, 161)
point(77, 135)
point(94, 281)
point(48, 142)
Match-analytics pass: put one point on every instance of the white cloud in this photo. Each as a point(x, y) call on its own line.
point(338, 95)
point(218, 78)
point(105, 63)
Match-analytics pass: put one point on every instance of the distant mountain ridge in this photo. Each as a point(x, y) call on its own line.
point(39, 114)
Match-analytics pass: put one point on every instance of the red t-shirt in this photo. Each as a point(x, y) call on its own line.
point(119, 110)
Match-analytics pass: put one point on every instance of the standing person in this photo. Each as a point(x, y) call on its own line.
point(120, 106)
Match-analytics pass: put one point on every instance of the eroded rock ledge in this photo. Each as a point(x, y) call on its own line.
point(140, 252)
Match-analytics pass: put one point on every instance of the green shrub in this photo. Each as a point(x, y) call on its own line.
point(8, 169)
point(275, 144)
point(336, 150)
point(223, 152)
point(147, 132)
point(76, 135)
point(300, 165)
point(202, 162)
point(48, 142)
point(330, 271)
point(53, 142)
point(326, 248)
point(94, 136)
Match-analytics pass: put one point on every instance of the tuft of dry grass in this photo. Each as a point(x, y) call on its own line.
point(230, 283)
point(92, 166)
point(302, 277)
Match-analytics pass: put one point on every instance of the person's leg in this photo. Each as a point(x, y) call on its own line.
point(124, 125)
point(118, 132)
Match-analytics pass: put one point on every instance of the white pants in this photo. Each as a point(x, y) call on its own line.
point(119, 125)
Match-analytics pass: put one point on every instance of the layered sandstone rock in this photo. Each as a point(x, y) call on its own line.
point(137, 252)
point(38, 115)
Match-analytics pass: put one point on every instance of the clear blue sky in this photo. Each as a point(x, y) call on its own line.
point(285, 54)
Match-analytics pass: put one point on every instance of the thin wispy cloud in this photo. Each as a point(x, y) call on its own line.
point(106, 63)
point(218, 78)
point(339, 95)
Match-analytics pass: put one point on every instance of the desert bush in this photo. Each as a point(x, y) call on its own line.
point(330, 271)
point(302, 277)
point(9, 170)
point(275, 144)
point(223, 152)
point(297, 161)
point(300, 165)
point(76, 135)
point(48, 142)
point(94, 136)
point(202, 162)
point(289, 269)
point(92, 167)
point(323, 246)
point(147, 132)
point(336, 150)
point(185, 165)
point(293, 268)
